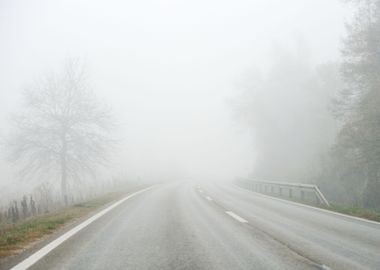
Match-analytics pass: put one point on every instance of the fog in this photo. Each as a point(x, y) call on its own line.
point(171, 72)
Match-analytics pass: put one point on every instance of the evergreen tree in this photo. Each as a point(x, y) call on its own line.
point(359, 103)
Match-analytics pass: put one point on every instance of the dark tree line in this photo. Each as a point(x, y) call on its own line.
point(356, 153)
point(322, 125)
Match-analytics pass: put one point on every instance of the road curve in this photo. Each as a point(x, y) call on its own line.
point(185, 226)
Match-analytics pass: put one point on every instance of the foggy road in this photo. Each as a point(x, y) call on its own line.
point(179, 98)
point(184, 226)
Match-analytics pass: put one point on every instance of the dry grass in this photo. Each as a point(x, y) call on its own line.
point(14, 238)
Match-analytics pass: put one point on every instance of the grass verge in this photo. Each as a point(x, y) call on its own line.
point(14, 238)
point(350, 210)
point(355, 211)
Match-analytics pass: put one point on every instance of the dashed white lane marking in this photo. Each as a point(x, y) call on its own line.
point(35, 257)
point(238, 218)
point(201, 191)
point(208, 198)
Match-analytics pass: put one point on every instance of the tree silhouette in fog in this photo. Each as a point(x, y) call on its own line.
point(63, 131)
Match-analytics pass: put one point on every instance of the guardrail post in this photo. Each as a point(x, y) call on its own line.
point(302, 195)
point(271, 189)
point(280, 191)
point(320, 196)
point(290, 193)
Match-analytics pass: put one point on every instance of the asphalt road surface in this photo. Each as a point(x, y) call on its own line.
point(186, 226)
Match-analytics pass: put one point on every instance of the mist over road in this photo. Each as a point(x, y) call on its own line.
point(98, 98)
point(217, 226)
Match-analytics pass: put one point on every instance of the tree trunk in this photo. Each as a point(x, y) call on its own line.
point(371, 196)
point(64, 171)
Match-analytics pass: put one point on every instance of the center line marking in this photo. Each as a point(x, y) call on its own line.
point(208, 198)
point(238, 218)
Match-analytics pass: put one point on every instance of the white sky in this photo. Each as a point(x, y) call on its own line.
point(167, 68)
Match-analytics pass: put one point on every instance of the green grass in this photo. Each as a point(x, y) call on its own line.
point(351, 210)
point(14, 238)
point(355, 211)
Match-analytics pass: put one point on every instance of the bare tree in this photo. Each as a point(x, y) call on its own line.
point(64, 131)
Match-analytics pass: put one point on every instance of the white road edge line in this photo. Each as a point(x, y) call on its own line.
point(35, 257)
point(311, 207)
point(238, 218)
point(208, 198)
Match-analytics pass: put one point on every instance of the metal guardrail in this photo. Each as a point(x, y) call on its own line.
point(283, 189)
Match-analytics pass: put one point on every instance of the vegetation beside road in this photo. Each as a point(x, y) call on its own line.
point(355, 211)
point(14, 238)
point(347, 209)
point(351, 210)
